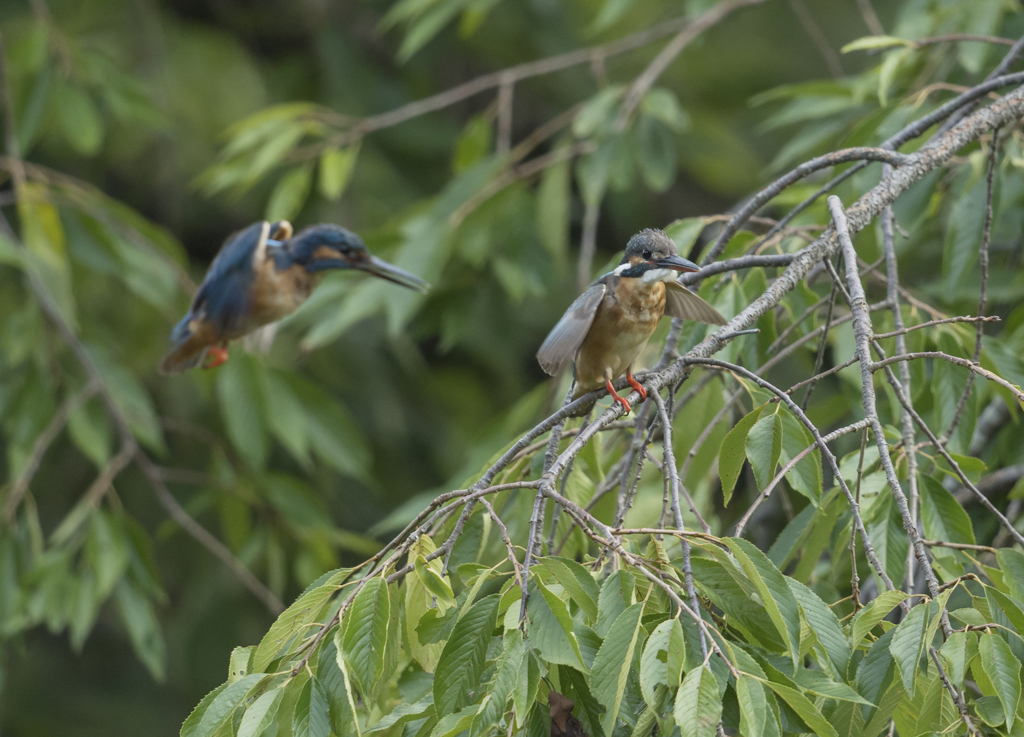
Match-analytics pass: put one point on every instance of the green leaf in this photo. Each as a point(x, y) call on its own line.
point(866, 619)
point(654, 661)
point(598, 110)
point(875, 42)
point(963, 236)
point(613, 661)
point(676, 659)
point(238, 663)
point(190, 726)
point(805, 476)
point(366, 632)
point(698, 706)
point(773, 590)
point(506, 671)
point(893, 696)
point(290, 193)
point(908, 643)
point(222, 706)
point(310, 718)
point(1003, 669)
point(663, 105)
point(875, 668)
point(554, 200)
point(954, 651)
point(753, 706)
point(991, 710)
point(336, 168)
point(80, 120)
point(888, 72)
point(817, 682)
point(551, 628)
point(452, 724)
point(240, 397)
point(657, 153)
point(462, 661)
point(290, 623)
point(733, 452)
point(260, 714)
point(525, 690)
point(764, 446)
point(1011, 563)
point(943, 516)
point(611, 11)
point(436, 584)
point(334, 679)
point(684, 233)
point(616, 594)
point(89, 428)
point(286, 417)
point(577, 581)
point(805, 708)
point(417, 603)
point(474, 144)
point(824, 624)
point(404, 713)
point(144, 631)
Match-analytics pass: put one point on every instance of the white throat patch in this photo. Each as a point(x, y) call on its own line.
point(659, 275)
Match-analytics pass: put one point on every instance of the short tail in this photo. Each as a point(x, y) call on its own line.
point(188, 352)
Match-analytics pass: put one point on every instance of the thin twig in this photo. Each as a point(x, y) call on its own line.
point(965, 362)
point(675, 47)
point(742, 524)
point(854, 575)
point(870, 18)
point(933, 323)
point(42, 444)
point(906, 424)
point(986, 235)
point(829, 54)
point(588, 245)
point(957, 697)
point(516, 74)
point(862, 333)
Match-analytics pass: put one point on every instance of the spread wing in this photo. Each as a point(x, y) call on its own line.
point(566, 337)
point(224, 296)
point(682, 303)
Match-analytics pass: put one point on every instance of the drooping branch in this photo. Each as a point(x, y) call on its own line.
point(862, 337)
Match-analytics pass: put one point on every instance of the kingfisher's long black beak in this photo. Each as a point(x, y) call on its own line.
point(381, 268)
point(676, 263)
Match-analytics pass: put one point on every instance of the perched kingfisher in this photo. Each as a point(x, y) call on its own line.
point(262, 274)
point(606, 329)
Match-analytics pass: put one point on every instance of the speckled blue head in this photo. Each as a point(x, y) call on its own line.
point(328, 246)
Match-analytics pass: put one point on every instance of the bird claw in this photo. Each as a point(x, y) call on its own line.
point(217, 355)
point(615, 396)
point(637, 386)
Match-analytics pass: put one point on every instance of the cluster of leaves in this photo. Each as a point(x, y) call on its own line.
point(417, 657)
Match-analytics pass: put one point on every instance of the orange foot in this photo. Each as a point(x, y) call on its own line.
point(217, 355)
point(614, 395)
point(637, 386)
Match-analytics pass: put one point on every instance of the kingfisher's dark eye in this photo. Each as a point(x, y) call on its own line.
point(646, 254)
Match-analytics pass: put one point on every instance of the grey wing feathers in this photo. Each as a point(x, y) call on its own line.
point(682, 303)
point(566, 337)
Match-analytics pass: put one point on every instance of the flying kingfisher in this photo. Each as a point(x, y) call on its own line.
point(262, 274)
point(606, 329)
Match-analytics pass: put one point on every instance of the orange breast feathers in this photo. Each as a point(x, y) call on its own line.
point(624, 323)
point(277, 294)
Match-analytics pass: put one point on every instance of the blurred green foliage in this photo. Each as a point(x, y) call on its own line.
point(153, 129)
